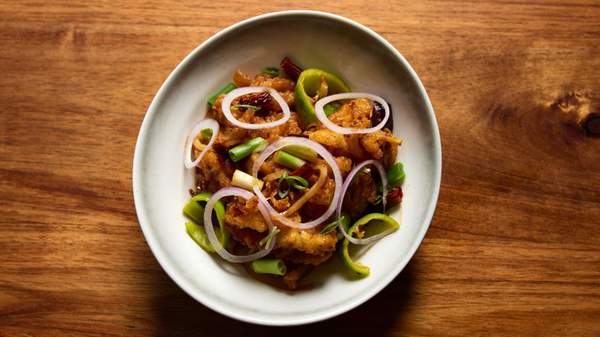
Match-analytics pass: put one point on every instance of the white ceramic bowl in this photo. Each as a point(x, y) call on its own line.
point(160, 182)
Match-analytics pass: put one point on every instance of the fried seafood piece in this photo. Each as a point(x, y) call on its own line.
point(381, 145)
point(278, 83)
point(345, 165)
point(301, 258)
point(294, 274)
point(268, 167)
point(361, 193)
point(243, 213)
point(289, 128)
point(213, 172)
point(230, 136)
point(356, 113)
point(340, 145)
point(325, 194)
point(308, 241)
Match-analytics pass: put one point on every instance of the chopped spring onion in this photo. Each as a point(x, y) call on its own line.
point(271, 71)
point(395, 175)
point(344, 219)
point(224, 90)
point(302, 152)
point(206, 135)
point(245, 181)
point(242, 151)
point(330, 108)
point(269, 266)
point(267, 239)
point(287, 160)
point(296, 182)
point(246, 106)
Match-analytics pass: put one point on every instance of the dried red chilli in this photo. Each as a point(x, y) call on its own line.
point(394, 196)
point(290, 68)
point(257, 99)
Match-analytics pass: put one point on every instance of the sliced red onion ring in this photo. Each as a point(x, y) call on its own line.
point(350, 95)
point(212, 237)
point(226, 106)
point(206, 123)
point(337, 175)
point(347, 183)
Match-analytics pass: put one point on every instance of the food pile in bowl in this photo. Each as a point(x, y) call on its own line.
point(292, 166)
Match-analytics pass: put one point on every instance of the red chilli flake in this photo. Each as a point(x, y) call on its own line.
point(290, 68)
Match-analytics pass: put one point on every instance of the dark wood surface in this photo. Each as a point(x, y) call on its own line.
point(514, 246)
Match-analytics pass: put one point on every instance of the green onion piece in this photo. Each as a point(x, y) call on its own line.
point(267, 239)
point(395, 175)
point(194, 210)
point(269, 266)
point(246, 106)
point(344, 219)
point(206, 135)
point(242, 151)
point(297, 182)
point(271, 71)
point(285, 159)
point(244, 180)
point(224, 90)
point(302, 152)
point(330, 108)
point(329, 227)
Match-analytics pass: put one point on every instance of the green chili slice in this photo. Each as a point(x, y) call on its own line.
point(308, 85)
point(377, 222)
point(194, 210)
point(395, 175)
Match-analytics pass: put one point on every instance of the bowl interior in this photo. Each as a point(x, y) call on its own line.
point(161, 182)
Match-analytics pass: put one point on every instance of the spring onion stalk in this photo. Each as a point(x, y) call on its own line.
point(302, 152)
point(395, 175)
point(206, 135)
point(344, 220)
point(242, 151)
point(244, 180)
point(269, 266)
point(296, 182)
point(287, 160)
point(224, 90)
point(271, 71)
point(331, 108)
point(267, 239)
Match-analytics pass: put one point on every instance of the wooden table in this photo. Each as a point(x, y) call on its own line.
point(514, 246)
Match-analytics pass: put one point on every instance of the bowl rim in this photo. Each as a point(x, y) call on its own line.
point(150, 236)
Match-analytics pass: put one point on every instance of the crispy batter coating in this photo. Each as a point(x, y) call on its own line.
point(298, 257)
point(213, 172)
point(361, 193)
point(243, 213)
point(340, 145)
point(381, 145)
point(355, 113)
point(308, 241)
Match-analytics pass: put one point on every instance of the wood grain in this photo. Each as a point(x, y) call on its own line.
point(513, 249)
